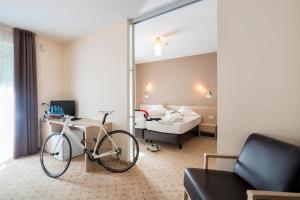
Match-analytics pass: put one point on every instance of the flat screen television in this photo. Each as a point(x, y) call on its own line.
point(67, 105)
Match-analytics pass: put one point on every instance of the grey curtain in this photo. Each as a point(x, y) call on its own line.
point(25, 87)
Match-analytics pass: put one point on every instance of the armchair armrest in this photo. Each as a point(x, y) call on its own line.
point(269, 195)
point(210, 155)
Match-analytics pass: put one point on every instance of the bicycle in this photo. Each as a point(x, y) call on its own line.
point(112, 149)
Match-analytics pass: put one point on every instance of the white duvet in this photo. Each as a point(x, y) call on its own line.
point(176, 122)
point(178, 127)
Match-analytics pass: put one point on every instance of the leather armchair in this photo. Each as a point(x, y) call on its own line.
point(266, 169)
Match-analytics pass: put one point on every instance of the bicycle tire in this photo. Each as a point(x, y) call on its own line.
point(42, 156)
point(104, 164)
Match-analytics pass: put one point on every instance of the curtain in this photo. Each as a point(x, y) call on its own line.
point(6, 92)
point(25, 90)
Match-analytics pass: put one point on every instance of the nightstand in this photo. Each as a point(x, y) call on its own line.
point(209, 128)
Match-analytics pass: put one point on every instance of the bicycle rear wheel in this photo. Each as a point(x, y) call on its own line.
point(128, 151)
point(56, 155)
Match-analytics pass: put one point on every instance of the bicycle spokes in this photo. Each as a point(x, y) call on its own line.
point(56, 155)
point(125, 148)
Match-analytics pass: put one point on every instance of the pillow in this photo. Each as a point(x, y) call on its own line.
point(152, 107)
point(156, 112)
point(186, 111)
point(172, 117)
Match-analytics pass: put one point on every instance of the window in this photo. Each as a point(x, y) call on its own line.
point(6, 93)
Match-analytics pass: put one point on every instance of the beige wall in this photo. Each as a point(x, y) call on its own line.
point(258, 72)
point(50, 74)
point(96, 73)
point(50, 69)
point(175, 81)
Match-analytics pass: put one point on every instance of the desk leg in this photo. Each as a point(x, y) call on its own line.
point(91, 133)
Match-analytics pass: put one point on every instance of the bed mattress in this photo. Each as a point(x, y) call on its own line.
point(186, 124)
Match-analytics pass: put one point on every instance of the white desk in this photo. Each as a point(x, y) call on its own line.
point(88, 126)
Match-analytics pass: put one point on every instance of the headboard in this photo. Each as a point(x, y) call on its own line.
point(205, 111)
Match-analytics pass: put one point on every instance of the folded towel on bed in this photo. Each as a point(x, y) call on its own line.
point(173, 116)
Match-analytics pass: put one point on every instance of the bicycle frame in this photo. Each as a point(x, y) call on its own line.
point(68, 132)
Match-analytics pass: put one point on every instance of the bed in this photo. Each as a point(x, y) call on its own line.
point(167, 132)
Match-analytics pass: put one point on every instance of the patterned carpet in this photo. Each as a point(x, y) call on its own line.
point(156, 176)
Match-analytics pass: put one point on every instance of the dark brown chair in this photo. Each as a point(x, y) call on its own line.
point(265, 169)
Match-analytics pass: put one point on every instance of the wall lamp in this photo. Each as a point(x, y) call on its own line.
point(204, 90)
point(209, 94)
point(148, 90)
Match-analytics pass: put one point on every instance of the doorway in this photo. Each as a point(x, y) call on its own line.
point(156, 42)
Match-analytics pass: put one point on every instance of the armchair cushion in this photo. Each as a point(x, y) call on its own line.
point(268, 164)
point(214, 185)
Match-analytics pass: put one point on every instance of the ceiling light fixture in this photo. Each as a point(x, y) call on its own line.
point(158, 46)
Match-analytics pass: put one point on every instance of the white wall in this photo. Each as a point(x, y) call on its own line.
point(49, 71)
point(96, 73)
point(258, 72)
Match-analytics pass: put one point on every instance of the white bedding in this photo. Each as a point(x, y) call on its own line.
point(187, 123)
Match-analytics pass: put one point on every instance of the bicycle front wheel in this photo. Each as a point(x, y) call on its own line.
point(124, 144)
point(56, 155)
